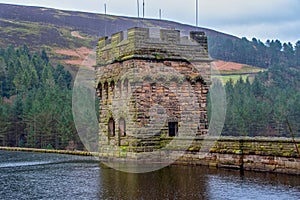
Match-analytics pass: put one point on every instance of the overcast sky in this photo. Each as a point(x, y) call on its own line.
point(263, 19)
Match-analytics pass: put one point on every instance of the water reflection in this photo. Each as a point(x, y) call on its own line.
point(187, 182)
point(168, 183)
point(51, 176)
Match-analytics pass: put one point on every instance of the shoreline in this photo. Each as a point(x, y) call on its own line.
point(34, 150)
point(234, 161)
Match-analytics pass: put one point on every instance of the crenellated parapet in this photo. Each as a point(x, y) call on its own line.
point(140, 43)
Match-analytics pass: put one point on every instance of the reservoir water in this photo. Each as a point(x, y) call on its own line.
point(32, 176)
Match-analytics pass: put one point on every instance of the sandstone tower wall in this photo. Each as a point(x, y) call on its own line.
point(151, 87)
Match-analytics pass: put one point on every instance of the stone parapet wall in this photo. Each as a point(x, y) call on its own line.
point(273, 164)
point(139, 44)
point(264, 146)
point(278, 155)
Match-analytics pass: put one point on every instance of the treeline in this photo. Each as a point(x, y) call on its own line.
point(35, 102)
point(255, 52)
point(270, 106)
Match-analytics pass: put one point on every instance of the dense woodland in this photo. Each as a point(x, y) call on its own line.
point(270, 105)
point(35, 108)
point(36, 97)
point(255, 52)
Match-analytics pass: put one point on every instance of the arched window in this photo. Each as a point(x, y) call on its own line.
point(119, 88)
point(122, 127)
point(106, 90)
point(99, 90)
point(111, 127)
point(112, 86)
point(125, 85)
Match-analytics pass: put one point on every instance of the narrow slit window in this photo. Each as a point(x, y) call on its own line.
point(122, 127)
point(111, 127)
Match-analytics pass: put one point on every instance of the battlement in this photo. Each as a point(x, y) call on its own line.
point(145, 43)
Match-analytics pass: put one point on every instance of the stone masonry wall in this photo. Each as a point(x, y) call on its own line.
point(277, 155)
point(274, 155)
point(144, 83)
point(141, 92)
point(151, 87)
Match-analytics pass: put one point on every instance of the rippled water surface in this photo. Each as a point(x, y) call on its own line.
point(51, 176)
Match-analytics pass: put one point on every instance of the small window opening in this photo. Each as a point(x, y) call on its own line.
point(106, 90)
point(173, 129)
point(100, 91)
point(125, 85)
point(112, 86)
point(111, 127)
point(122, 127)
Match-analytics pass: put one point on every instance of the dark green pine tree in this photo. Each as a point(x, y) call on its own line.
point(297, 53)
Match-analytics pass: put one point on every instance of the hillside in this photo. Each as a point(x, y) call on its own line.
point(69, 35)
point(226, 71)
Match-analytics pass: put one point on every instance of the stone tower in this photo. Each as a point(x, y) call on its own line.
point(152, 86)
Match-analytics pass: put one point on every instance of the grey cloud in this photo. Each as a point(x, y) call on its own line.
point(286, 32)
point(252, 13)
point(276, 18)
